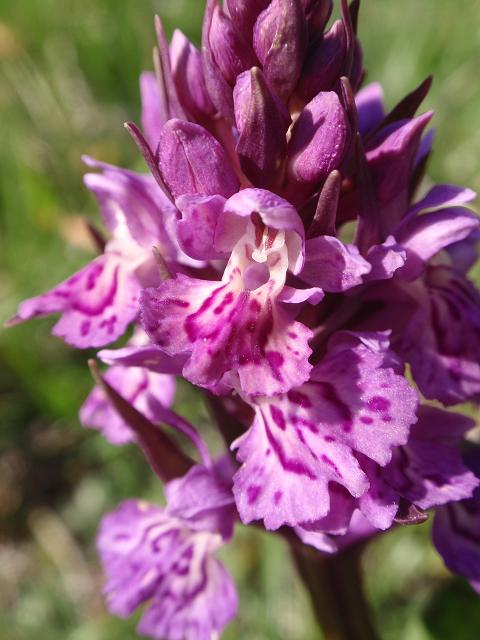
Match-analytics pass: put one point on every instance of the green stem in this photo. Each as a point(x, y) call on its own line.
point(335, 585)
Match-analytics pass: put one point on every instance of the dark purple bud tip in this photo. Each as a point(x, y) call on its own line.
point(192, 161)
point(280, 40)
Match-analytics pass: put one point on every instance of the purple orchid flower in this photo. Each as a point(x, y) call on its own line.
point(278, 258)
point(167, 556)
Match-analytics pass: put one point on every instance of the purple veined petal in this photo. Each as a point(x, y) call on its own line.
point(147, 554)
point(262, 122)
point(187, 72)
point(283, 479)
point(319, 140)
point(196, 229)
point(324, 63)
point(332, 265)
point(455, 535)
point(152, 117)
point(193, 162)
point(97, 303)
point(441, 338)
point(280, 40)
point(299, 443)
point(370, 107)
point(429, 470)
point(133, 200)
point(201, 611)
point(386, 259)
point(144, 389)
point(227, 329)
point(425, 235)
point(275, 213)
point(204, 498)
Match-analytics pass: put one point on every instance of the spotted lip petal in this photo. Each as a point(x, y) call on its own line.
point(225, 330)
point(148, 554)
point(97, 303)
point(354, 403)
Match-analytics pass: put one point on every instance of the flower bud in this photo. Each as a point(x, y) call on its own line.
point(280, 39)
point(244, 13)
point(262, 122)
point(187, 72)
point(319, 139)
point(192, 161)
point(324, 64)
point(317, 13)
point(230, 51)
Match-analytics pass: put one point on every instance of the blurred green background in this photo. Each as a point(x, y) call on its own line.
point(68, 80)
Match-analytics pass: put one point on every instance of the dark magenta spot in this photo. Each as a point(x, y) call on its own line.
point(184, 304)
point(331, 463)
point(255, 306)
point(297, 397)
point(275, 360)
point(347, 427)
point(292, 335)
point(366, 419)
point(253, 491)
point(329, 439)
point(85, 327)
point(228, 299)
point(378, 403)
point(386, 418)
point(278, 417)
point(277, 496)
